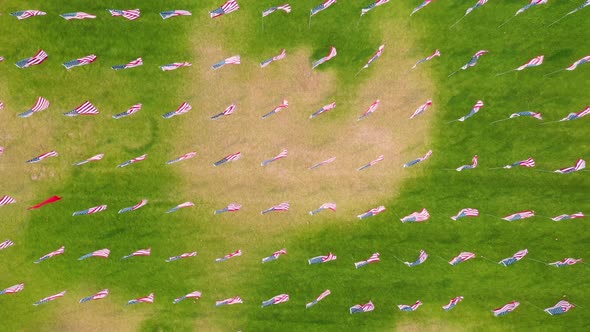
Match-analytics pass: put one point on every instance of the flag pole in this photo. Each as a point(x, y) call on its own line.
point(534, 260)
point(564, 16)
point(309, 20)
point(533, 305)
point(500, 120)
point(452, 121)
point(544, 123)
point(262, 23)
point(358, 22)
point(506, 72)
point(359, 72)
point(487, 259)
point(501, 25)
point(458, 21)
point(551, 73)
point(453, 73)
point(399, 259)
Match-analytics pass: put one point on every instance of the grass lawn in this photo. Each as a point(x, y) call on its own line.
point(202, 41)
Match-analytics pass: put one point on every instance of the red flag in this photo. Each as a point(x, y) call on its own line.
point(50, 200)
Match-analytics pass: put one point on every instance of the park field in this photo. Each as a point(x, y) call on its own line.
point(432, 184)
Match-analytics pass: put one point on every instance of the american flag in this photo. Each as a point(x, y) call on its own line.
point(234, 60)
point(421, 216)
point(532, 63)
point(140, 252)
point(321, 163)
point(228, 111)
point(173, 13)
point(474, 59)
point(180, 206)
point(566, 262)
point(232, 207)
point(93, 158)
point(181, 158)
point(277, 109)
point(132, 110)
point(452, 303)
point(373, 5)
point(321, 7)
point(5, 244)
point(85, 109)
point(530, 162)
point(13, 289)
point(322, 259)
point(130, 14)
point(232, 300)
point(77, 16)
point(506, 309)
point(520, 215)
point(228, 158)
point(192, 295)
point(422, 5)
point(41, 105)
point(568, 216)
point(91, 210)
point(582, 61)
point(474, 110)
point(415, 161)
point(462, 257)
point(370, 110)
point(468, 212)
point(325, 206)
point(27, 13)
point(274, 256)
point(473, 165)
point(100, 295)
point(515, 258)
point(574, 116)
point(375, 56)
point(330, 55)
point(281, 207)
point(532, 3)
point(580, 164)
point(281, 155)
point(142, 203)
point(145, 299)
point(371, 212)
point(559, 308)
point(50, 298)
point(406, 307)
point(57, 252)
point(43, 156)
point(318, 299)
point(182, 109)
point(428, 58)
point(421, 109)
point(135, 63)
point(228, 256)
point(80, 62)
point(286, 8)
point(104, 253)
point(362, 308)
point(185, 255)
point(226, 8)
point(134, 160)
point(535, 115)
point(36, 59)
point(278, 57)
point(372, 163)
point(421, 259)
point(373, 259)
point(5, 200)
point(175, 65)
point(276, 300)
point(477, 5)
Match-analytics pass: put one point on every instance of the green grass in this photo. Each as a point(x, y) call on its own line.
point(388, 283)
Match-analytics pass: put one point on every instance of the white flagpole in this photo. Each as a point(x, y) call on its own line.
point(458, 21)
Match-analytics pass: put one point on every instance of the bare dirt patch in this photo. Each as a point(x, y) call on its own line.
point(256, 91)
